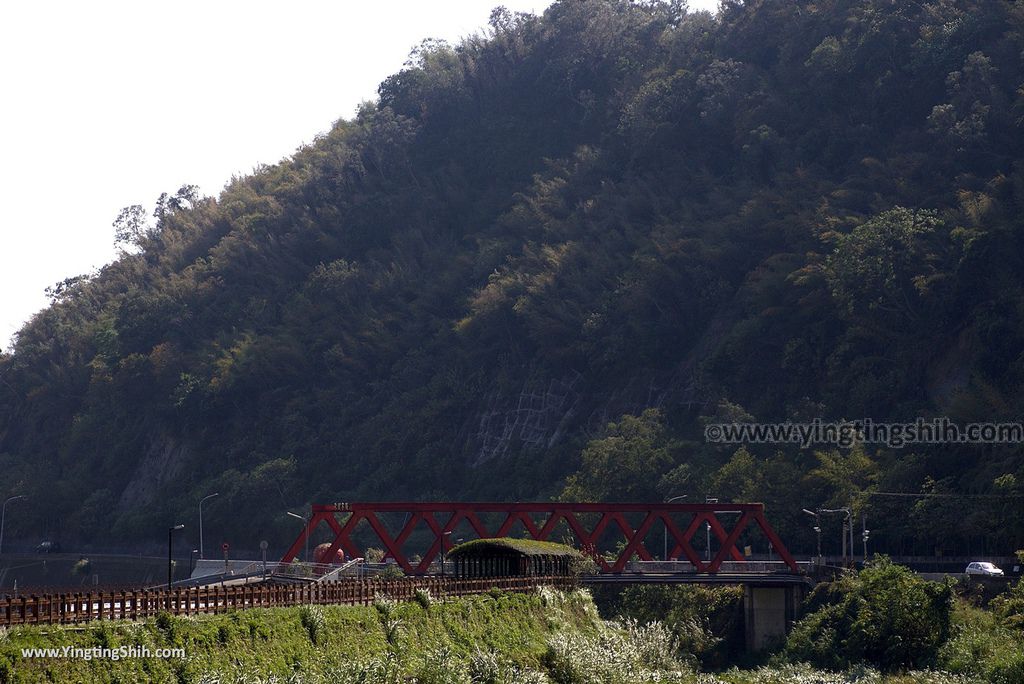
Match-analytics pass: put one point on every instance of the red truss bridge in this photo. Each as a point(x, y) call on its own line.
point(589, 524)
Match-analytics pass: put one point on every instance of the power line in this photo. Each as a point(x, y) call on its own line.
point(938, 495)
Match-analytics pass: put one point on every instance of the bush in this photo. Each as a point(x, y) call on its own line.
point(885, 616)
point(392, 571)
point(583, 565)
point(442, 666)
point(1010, 605)
point(424, 598)
point(707, 621)
point(488, 667)
point(313, 621)
point(617, 654)
point(981, 646)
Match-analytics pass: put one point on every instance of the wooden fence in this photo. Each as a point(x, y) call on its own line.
point(71, 608)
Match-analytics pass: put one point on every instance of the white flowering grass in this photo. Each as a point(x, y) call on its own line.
point(805, 674)
point(488, 667)
point(621, 653)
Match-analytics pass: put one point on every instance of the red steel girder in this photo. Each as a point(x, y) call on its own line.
point(342, 518)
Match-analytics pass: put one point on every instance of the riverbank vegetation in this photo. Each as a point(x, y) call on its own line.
point(849, 636)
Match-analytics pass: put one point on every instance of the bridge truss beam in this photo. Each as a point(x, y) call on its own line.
point(540, 520)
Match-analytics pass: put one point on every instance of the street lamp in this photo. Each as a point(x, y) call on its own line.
point(170, 537)
point(192, 561)
point(3, 517)
point(847, 525)
point(817, 528)
point(444, 540)
point(664, 554)
point(305, 523)
point(201, 501)
point(707, 526)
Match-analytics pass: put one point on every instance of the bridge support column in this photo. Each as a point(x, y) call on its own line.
point(769, 613)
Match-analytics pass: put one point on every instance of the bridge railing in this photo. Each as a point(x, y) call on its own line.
point(753, 567)
point(73, 608)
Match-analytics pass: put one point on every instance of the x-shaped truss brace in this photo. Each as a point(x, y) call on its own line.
point(540, 520)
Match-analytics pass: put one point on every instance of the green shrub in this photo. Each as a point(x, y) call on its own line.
point(424, 598)
point(442, 666)
point(165, 622)
point(885, 616)
point(1009, 606)
point(312, 619)
point(392, 571)
point(982, 646)
point(707, 621)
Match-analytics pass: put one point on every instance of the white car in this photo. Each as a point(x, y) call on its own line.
point(983, 568)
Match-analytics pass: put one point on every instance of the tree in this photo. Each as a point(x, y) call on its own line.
point(886, 616)
point(625, 464)
point(130, 228)
point(882, 271)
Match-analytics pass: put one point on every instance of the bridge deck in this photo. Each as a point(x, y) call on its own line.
point(748, 579)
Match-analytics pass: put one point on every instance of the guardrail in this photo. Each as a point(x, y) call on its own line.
point(73, 608)
point(730, 567)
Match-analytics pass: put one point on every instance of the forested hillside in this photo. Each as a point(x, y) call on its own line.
point(618, 212)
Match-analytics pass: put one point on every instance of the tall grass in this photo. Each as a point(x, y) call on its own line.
point(547, 637)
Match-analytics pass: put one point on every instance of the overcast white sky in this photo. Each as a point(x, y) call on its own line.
point(110, 103)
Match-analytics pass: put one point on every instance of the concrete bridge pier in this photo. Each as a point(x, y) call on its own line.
point(769, 613)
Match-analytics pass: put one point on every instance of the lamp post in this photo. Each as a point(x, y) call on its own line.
point(170, 562)
point(847, 525)
point(664, 554)
point(3, 517)
point(305, 523)
point(444, 541)
point(817, 528)
point(192, 561)
point(201, 502)
point(707, 527)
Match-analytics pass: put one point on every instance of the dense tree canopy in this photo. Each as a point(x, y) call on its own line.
point(789, 210)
